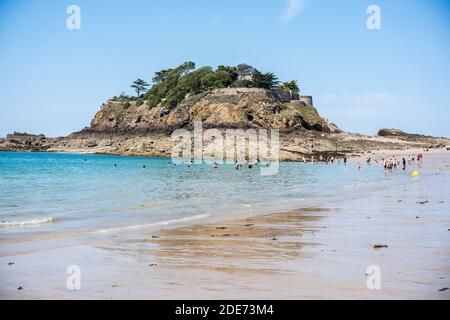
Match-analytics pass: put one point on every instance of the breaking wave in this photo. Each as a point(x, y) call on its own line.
point(19, 223)
point(148, 225)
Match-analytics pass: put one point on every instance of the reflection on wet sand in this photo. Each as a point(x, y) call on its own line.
point(259, 243)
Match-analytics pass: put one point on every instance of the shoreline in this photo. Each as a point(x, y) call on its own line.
point(294, 146)
point(379, 153)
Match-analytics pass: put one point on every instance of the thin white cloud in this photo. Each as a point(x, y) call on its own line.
point(293, 8)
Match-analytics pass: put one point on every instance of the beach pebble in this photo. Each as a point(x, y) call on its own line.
point(422, 202)
point(221, 228)
point(380, 246)
point(152, 265)
point(10, 263)
point(20, 288)
point(443, 289)
point(155, 237)
point(274, 239)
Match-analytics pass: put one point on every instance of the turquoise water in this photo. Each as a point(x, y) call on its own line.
point(48, 192)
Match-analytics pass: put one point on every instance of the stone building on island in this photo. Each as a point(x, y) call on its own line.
point(245, 73)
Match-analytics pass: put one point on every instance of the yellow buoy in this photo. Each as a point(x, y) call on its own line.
point(415, 174)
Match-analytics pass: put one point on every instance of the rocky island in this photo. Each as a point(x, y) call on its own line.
point(227, 97)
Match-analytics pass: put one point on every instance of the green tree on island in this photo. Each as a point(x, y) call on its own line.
point(139, 86)
point(173, 85)
point(265, 80)
point(291, 86)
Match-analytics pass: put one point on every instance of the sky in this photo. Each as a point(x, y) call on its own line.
point(53, 80)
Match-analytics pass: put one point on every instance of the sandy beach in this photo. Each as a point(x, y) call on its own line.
point(320, 252)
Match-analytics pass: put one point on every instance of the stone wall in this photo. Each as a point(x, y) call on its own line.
point(308, 100)
point(283, 96)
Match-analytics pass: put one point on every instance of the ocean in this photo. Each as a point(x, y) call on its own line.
point(55, 193)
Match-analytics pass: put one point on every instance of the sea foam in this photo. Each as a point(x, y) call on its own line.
point(148, 225)
point(19, 223)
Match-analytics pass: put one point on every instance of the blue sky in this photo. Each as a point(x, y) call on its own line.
point(53, 80)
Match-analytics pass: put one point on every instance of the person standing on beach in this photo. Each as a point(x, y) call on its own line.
point(345, 160)
point(404, 164)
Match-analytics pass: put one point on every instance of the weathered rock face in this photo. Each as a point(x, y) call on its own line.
point(214, 109)
point(396, 133)
point(391, 133)
point(24, 142)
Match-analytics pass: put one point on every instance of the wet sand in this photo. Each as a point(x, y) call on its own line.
point(310, 253)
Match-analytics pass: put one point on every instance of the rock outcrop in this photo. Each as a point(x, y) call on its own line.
point(18, 141)
point(219, 109)
point(399, 134)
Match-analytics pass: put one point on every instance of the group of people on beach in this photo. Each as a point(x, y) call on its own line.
point(393, 163)
point(322, 159)
point(389, 165)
